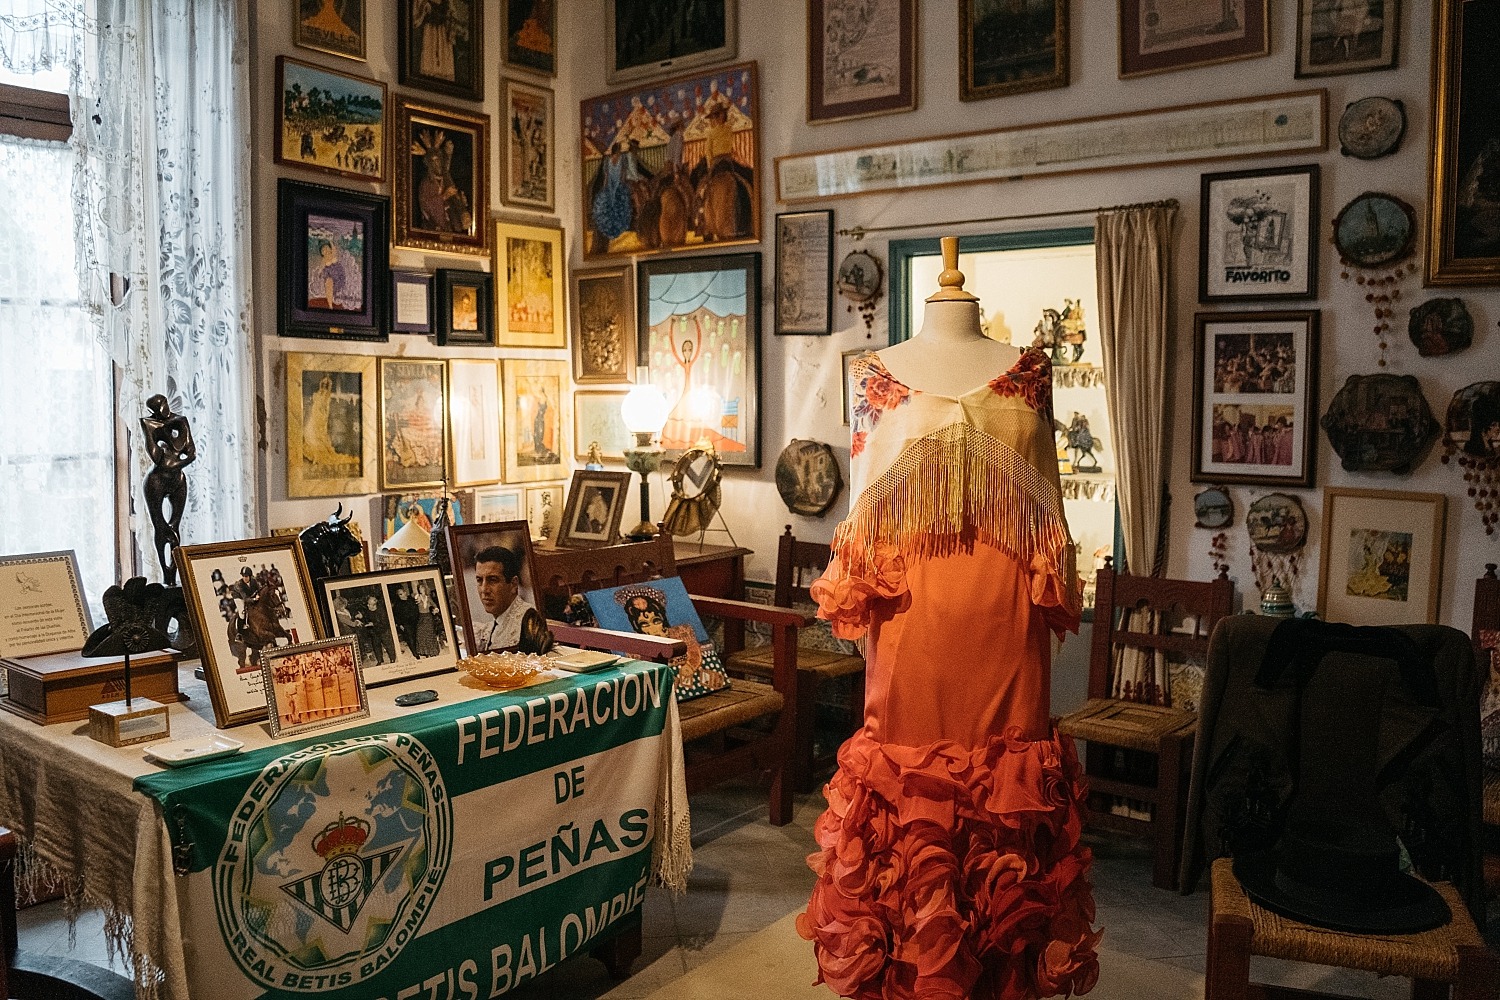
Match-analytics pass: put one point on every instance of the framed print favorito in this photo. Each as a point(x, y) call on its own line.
point(1158, 37)
point(649, 37)
point(442, 178)
point(246, 598)
point(330, 425)
point(330, 121)
point(529, 165)
point(597, 419)
point(596, 500)
point(536, 420)
point(313, 685)
point(411, 302)
point(333, 26)
point(1382, 557)
point(464, 300)
point(474, 421)
point(413, 399)
point(1011, 48)
point(44, 608)
point(1255, 387)
point(400, 618)
point(804, 272)
point(529, 286)
point(531, 34)
point(1258, 235)
point(333, 257)
point(1337, 36)
point(441, 46)
point(492, 575)
point(865, 65)
point(604, 325)
point(1463, 223)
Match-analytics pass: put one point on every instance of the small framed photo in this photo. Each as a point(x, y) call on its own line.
point(45, 610)
point(411, 302)
point(651, 37)
point(332, 262)
point(441, 46)
point(536, 419)
point(597, 420)
point(531, 34)
point(442, 185)
point(530, 163)
point(463, 308)
point(1011, 48)
point(1336, 37)
point(529, 280)
point(247, 598)
point(331, 443)
point(413, 442)
point(1382, 556)
point(474, 421)
point(1258, 235)
point(1159, 38)
point(1255, 393)
point(492, 573)
point(592, 515)
point(847, 360)
point(330, 121)
point(604, 325)
point(499, 503)
point(336, 27)
point(544, 506)
point(853, 71)
point(400, 618)
point(804, 272)
point(314, 685)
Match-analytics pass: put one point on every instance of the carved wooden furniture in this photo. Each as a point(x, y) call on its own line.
point(1487, 620)
point(711, 570)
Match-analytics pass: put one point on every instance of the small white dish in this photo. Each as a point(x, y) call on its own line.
point(191, 751)
point(584, 660)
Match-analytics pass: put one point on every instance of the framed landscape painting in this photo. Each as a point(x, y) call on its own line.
point(1258, 234)
point(858, 66)
point(330, 121)
point(651, 37)
point(440, 46)
point(332, 262)
point(531, 34)
point(1381, 557)
point(530, 149)
point(413, 445)
point(529, 286)
point(330, 424)
point(536, 419)
point(442, 178)
point(1159, 37)
point(1011, 48)
point(333, 26)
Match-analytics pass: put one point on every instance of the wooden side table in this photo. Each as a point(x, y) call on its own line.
point(711, 570)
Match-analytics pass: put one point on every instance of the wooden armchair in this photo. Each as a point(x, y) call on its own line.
point(1483, 635)
point(1134, 749)
point(747, 728)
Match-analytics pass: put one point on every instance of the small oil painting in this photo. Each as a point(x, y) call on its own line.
point(1379, 564)
point(335, 255)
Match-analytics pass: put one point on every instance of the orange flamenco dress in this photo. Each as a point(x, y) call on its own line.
point(950, 862)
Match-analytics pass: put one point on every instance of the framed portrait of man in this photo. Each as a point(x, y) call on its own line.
point(493, 575)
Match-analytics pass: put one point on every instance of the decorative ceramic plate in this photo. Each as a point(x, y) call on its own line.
point(859, 276)
point(1440, 326)
point(1213, 508)
point(1380, 423)
point(1371, 128)
point(1374, 230)
point(1277, 523)
point(808, 477)
point(1473, 421)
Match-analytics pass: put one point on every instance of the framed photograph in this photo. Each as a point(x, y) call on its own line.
point(247, 598)
point(529, 169)
point(604, 325)
point(45, 610)
point(442, 185)
point(1159, 37)
point(531, 34)
point(492, 574)
point(597, 420)
point(860, 66)
point(474, 421)
point(413, 399)
point(544, 506)
point(411, 302)
point(1258, 235)
point(529, 279)
point(1255, 397)
point(330, 425)
point(400, 618)
point(330, 121)
point(1011, 48)
point(333, 26)
point(847, 363)
point(651, 37)
point(463, 308)
point(698, 322)
point(536, 419)
point(702, 132)
point(1382, 556)
point(1463, 222)
point(440, 46)
point(596, 499)
point(313, 685)
point(392, 510)
point(804, 273)
point(1336, 36)
point(498, 503)
point(332, 250)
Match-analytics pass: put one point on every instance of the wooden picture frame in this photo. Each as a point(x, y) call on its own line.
point(394, 633)
point(474, 419)
point(462, 303)
point(330, 424)
point(529, 279)
point(1258, 235)
point(530, 33)
point(466, 542)
point(528, 176)
point(332, 262)
point(411, 302)
point(675, 300)
point(596, 417)
point(536, 419)
point(1328, 47)
point(544, 506)
point(853, 72)
point(1381, 559)
point(604, 348)
point(591, 516)
point(1182, 36)
point(1011, 49)
point(314, 685)
point(1255, 396)
point(413, 442)
point(638, 51)
point(245, 597)
point(804, 273)
point(446, 57)
point(442, 186)
point(336, 28)
point(331, 121)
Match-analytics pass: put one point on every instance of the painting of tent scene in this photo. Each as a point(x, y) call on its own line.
point(331, 121)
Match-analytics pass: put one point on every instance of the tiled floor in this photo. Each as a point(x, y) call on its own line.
point(749, 876)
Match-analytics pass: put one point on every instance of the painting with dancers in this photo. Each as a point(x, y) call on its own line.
point(330, 426)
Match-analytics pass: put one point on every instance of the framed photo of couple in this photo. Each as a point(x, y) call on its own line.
point(400, 618)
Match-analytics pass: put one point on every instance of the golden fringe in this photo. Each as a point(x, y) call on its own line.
point(951, 488)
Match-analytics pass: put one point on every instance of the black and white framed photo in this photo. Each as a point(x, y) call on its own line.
point(400, 618)
point(804, 273)
point(492, 579)
point(596, 499)
point(1258, 235)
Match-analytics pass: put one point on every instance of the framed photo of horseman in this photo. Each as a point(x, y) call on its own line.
point(247, 598)
point(672, 165)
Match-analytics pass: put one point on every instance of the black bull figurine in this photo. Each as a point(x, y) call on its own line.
point(328, 545)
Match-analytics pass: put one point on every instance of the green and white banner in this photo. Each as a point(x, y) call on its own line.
point(449, 855)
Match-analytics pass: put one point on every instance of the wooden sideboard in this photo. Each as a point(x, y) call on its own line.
point(711, 570)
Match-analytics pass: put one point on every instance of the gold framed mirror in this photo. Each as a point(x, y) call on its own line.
point(696, 492)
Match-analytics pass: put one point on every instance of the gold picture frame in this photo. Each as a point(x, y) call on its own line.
point(331, 438)
point(316, 27)
point(474, 422)
point(444, 151)
point(297, 703)
point(528, 166)
point(1381, 559)
point(536, 420)
point(603, 303)
point(529, 280)
point(597, 418)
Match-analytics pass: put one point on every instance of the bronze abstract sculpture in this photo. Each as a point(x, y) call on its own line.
point(169, 442)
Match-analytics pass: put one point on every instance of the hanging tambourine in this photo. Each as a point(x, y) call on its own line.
point(1375, 234)
point(695, 492)
point(859, 279)
point(1472, 439)
point(1278, 528)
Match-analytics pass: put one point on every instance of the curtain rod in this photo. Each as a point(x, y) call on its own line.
point(860, 232)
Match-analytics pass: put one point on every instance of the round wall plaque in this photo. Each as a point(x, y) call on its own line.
point(1213, 508)
point(1277, 523)
point(808, 477)
point(1371, 128)
point(1374, 230)
point(1440, 326)
point(1380, 423)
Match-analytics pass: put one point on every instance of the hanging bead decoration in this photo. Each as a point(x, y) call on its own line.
point(1377, 233)
point(1218, 552)
point(1382, 291)
point(860, 279)
point(1472, 439)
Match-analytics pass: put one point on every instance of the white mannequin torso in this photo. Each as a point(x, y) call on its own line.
point(950, 355)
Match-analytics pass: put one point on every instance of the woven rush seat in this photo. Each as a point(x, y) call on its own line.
point(1127, 724)
point(826, 664)
point(743, 701)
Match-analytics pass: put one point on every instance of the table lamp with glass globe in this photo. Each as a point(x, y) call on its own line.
point(644, 411)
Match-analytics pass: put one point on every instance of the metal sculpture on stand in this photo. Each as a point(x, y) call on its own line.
point(134, 612)
point(437, 539)
point(169, 442)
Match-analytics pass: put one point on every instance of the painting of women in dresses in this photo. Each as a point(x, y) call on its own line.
point(529, 286)
point(332, 429)
point(441, 42)
point(536, 420)
point(413, 442)
point(335, 252)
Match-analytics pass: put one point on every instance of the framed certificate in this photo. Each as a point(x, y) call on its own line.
point(42, 609)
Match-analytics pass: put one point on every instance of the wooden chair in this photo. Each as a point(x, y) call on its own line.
point(747, 729)
point(798, 564)
point(1487, 619)
point(1133, 749)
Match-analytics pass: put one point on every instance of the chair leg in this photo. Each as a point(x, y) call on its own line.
point(1170, 807)
point(1227, 967)
point(802, 764)
point(781, 794)
point(1478, 975)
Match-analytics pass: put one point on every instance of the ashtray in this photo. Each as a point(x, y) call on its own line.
point(190, 751)
point(584, 660)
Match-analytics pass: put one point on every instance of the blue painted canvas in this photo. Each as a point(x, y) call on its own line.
point(662, 607)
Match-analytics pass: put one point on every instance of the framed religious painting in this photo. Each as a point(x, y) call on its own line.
point(330, 425)
point(1255, 394)
point(1258, 235)
point(529, 283)
point(330, 121)
point(400, 618)
point(411, 302)
point(313, 685)
point(1463, 222)
point(333, 262)
point(591, 518)
point(698, 326)
point(1337, 36)
point(1011, 48)
point(333, 26)
point(442, 178)
point(804, 272)
point(464, 305)
point(440, 46)
point(858, 66)
point(649, 37)
point(604, 325)
point(672, 165)
point(474, 421)
point(531, 34)
point(529, 170)
point(597, 420)
point(492, 577)
point(413, 445)
point(1160, 37)
point(536, 419)
point(1381, 557)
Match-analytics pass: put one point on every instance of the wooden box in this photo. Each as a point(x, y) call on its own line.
point(60, 687)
